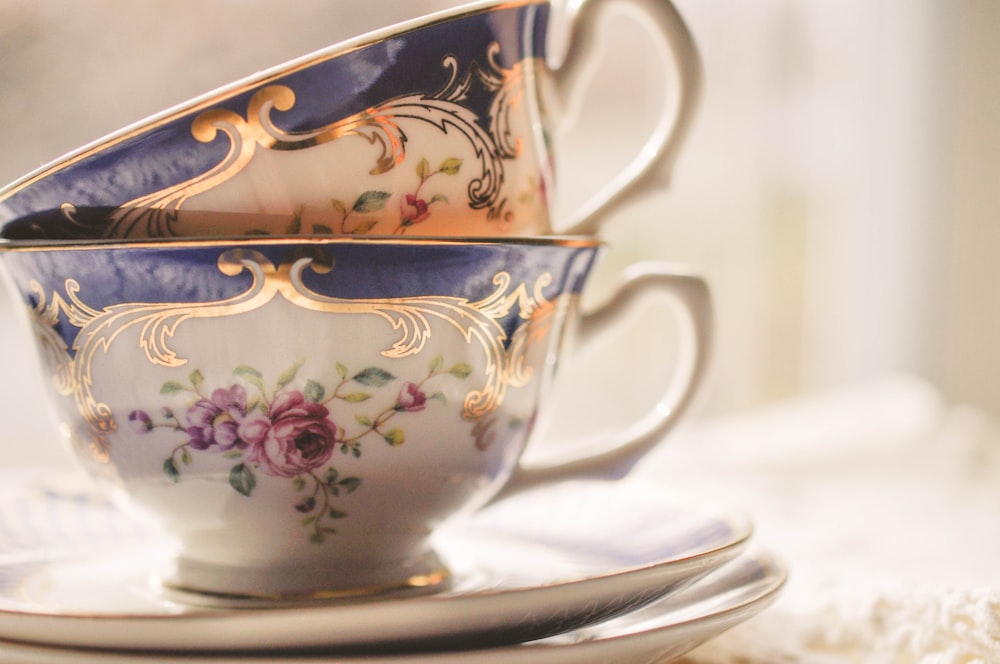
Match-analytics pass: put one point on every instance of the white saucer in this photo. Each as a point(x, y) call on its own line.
point(75, 572)
point(658, 632)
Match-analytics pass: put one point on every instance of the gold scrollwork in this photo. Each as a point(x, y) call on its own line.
point(478, 322)
point(379, 125)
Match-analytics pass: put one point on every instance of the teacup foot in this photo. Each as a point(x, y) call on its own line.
point(205, 584)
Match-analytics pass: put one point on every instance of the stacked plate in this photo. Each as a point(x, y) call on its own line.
point(578, 572)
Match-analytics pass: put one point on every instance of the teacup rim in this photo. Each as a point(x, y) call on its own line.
point(220, 93)
point(16, 246)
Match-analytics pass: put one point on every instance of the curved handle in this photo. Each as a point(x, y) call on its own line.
point(650, 169)
point(614, 458)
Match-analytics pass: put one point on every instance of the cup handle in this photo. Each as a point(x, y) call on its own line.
point(614, 458)
point(651, 168)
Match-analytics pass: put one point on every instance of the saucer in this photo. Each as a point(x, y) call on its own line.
point(658, 632)
point(76, 572)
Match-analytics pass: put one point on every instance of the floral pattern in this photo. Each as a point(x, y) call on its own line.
point(357, 218)
point(289, 432)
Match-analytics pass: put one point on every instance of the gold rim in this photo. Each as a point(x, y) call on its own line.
point(427, 582)
point(271, 240)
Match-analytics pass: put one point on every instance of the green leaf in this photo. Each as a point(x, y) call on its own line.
point(251, 375)
point(363, 420)
point(395, 437)
point(373, 377)
point(423, 169)
point(170, 470)
point(438, 198)
point(331, 475)
point(356, 397)
point(317, 538)
point(185, 457)
point(371, 200)
point(306, 520)
point(298, 483)
point(321, 229)
point(341, 370)
point(356, 452)
point(196, 377)
point(349, 484)
point(171, 387)
point(338, 206)
point(439, 396)
point(436, 364)
point(313, 391)
point(257, 231)
point(461, 370)
point(295, 225)
point(246, 371)
point(242, 479)
point(450, 166)
point(364, 227)
point(288, 375)
point(337, 514)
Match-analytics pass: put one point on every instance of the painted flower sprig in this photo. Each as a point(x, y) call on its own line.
point(288, 432)
point(413, 208)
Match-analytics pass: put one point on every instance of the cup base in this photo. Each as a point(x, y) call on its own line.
point(197, 583)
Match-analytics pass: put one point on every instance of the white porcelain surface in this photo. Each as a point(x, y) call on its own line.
point(75, 572)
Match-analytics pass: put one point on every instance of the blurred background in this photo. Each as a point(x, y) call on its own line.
point(839, 190)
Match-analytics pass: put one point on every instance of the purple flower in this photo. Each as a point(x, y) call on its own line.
point(296, 437)
point(215, 422)
point(411, 398)
point(140, 422)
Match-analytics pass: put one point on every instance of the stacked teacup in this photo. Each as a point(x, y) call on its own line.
point(302, 321)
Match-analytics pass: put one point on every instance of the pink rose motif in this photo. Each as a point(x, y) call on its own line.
point(411, 399)
point(296, 436)
point(215, 422)
point(412, 210)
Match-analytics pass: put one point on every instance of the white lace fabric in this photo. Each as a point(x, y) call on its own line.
point(884, 502)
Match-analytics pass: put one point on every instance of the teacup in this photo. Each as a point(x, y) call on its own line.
point(437, 127)
point(300, 415)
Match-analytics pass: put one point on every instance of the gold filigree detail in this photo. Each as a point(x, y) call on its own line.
point(509, 88)
point(478, 322)
point(379, 125)
point(52, 347)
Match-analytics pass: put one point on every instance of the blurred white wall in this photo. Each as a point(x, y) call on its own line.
point(839, 190)
point(965, 348)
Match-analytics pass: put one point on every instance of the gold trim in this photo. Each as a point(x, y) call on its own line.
point(378, 125)
point(477, 322)
point(243, 86)
point(15, 246)
point(426, 582)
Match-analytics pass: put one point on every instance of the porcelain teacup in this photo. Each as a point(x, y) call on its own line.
point(300, 415)
point(442, 126)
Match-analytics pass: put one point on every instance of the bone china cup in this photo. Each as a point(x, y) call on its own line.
point(437, 127)
point(301, 414)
